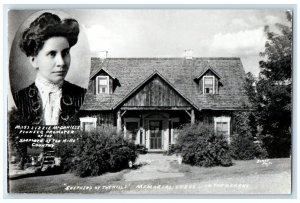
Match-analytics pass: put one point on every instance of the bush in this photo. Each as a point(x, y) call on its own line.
point(121, 155)
point(97, 152)
point(66, 151)
point(15, 118)
point(172, 150)
point(260, 150)
point(199, 146)
point(242, 147)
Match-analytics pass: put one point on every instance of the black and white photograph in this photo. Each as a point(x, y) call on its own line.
point(150, 101)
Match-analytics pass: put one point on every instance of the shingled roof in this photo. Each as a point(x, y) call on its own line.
point(179, 72)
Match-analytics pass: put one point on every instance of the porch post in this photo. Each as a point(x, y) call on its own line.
point(119, 122)
point(192, 116)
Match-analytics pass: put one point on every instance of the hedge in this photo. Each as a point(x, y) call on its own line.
point(200, 146)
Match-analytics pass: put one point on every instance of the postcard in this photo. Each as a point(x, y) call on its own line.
point(150, 101)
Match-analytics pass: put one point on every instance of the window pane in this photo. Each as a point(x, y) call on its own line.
point(208, 90)
point(208, 84)
point(88, 126)
point(222, 128)
point(208, 81)
point(102, 81)
point(132, 130)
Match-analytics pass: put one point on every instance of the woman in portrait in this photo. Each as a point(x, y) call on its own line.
point(50, 100)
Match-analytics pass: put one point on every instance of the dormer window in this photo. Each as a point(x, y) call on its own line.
point(209, 81)
point(102, 85)
point(208, 84)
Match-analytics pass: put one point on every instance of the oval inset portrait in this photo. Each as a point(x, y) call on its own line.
point(49, 66)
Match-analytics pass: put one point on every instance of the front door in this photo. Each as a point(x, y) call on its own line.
point(155, 134)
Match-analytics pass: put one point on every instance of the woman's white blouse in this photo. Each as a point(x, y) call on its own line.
point(51, 95)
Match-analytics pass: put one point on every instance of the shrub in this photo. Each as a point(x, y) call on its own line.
point(15, 118)
point(121, 155)
point(199, 146)
point(97, 152)
point(242, 147)
point(260, 150)
point(66, 152)
point(172, 150)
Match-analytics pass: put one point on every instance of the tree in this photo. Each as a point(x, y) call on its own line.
point(274, 90)
point(245, 142)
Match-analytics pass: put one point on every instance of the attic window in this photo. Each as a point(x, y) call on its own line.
point(208, 84)
point(102, 85)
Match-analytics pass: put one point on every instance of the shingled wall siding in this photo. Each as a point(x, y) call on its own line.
point(207, 116)
point(104, 117)
point(156, 93)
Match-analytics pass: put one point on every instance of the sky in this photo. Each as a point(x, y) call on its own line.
point(168, 33)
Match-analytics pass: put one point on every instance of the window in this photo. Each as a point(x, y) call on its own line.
point(132, 129)
point(132, 126)
point(88, 123)
point(222, 126)
point(208, 84)
point(102, 84)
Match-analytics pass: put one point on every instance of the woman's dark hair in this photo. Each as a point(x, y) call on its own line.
point(44, 27)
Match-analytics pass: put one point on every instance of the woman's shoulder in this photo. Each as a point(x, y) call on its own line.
point(26, 89)
point(29, 91)
point(72, 89)
point(28, 102)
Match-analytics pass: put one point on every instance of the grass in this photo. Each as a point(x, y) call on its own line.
point(239, 168)
point(59, 183)
point(275, 178)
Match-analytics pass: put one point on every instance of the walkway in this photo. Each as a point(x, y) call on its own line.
point(153, 166)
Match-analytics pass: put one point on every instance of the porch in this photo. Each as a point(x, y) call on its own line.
point(153, 128)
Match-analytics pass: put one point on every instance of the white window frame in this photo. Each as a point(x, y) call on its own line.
point(222, 119)
point(88, 120)
point(213, 77)
point(97, 84)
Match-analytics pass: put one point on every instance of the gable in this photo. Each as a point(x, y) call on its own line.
point(156, 93)
point(101, 71)
point(208, 71)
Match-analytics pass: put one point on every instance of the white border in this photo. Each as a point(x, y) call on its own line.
point(181, 3)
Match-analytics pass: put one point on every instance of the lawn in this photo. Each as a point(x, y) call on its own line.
point(244, 177)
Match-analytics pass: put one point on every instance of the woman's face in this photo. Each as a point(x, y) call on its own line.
point(53, 60)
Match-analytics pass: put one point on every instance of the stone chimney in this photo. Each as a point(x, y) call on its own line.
point(102, 54)
point(188, 54)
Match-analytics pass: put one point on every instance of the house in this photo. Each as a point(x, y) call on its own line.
point(149, 97)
